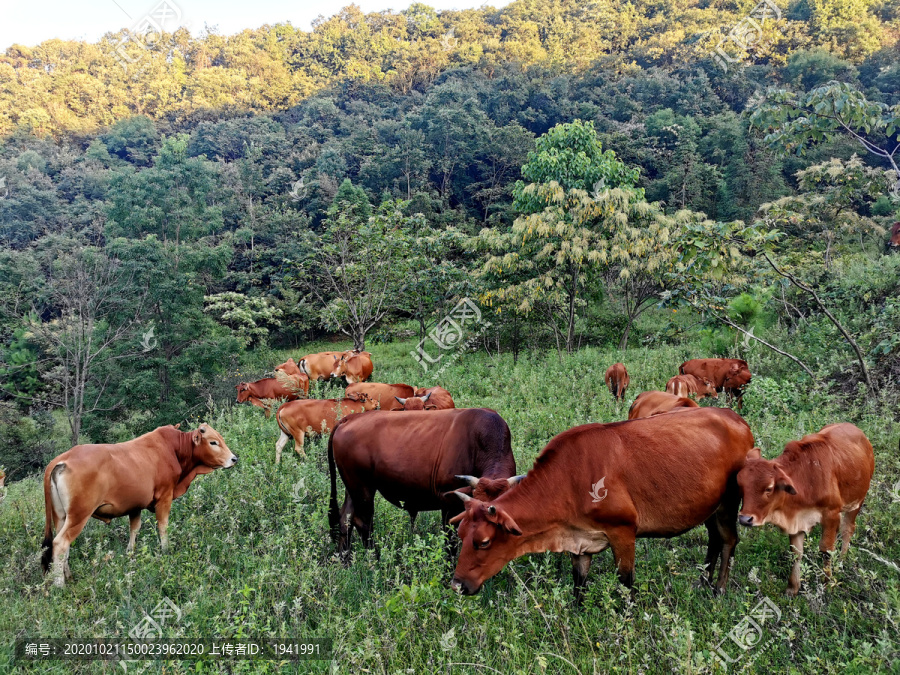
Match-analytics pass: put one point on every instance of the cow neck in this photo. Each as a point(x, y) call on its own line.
point(184, 451)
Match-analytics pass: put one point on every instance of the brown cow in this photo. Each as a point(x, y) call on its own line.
point(270, 388)
point(414, 460)
point(440, 397)
point(289, 367)
point(353, 366)
point(822, 478)
point(686, 385)
point(617, 380)
point(894, 241)
point(107, 481)
point(312, 416)
point(604, 485)
point(2, 478)
point(416, 403)
point(381, 393)
point(728, 375)
point(651, 403)
point(319, 366)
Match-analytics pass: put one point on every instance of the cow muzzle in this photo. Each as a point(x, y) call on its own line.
point(461, 586)
point(232, 462)
point(746, 521)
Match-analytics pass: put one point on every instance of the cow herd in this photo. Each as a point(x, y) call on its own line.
point(670, 467)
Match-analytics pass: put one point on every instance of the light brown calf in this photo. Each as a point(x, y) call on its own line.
point(312, 416)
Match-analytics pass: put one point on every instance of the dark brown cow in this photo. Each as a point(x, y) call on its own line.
point(319, 366)
point(383, 394)
point(894, 241)
point(728, 375)
point(822, 478)
point(687, 385)
point(353, 367)
point(312, 416)
point(651, 403)
point(414, 460)
point(440, 397)
point(617, 380)
point(270, 389)
point(118, 479)
point(601, 486)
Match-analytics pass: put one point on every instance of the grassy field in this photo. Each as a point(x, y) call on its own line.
point(251, 556)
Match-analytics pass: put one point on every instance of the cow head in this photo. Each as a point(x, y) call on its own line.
point(765, 488)
point(893, 243)
point(706, 387)
point(289, 367)
point(488, 489)
point(209, 449)
point(340, 365)
point(736, 377)
point(490, 539)
point(416, 402)
point(243, 392)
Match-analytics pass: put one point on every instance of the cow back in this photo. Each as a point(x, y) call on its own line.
point(650, 403)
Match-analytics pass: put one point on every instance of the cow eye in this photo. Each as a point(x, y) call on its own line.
point(484, 543)
point(214, 442)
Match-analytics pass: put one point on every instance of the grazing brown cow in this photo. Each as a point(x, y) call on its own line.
point(728, 375)
point(822, 478)
point(290, 368)
point(312, 416)
point(353, 366)
point(270, 388)
point(617, 380)
point(319, 366)
point(440, 397)
point(687, 385)
point(107, 481)
point(383, 394)
point(414, 460)
point(651, 403)
point(894, 241)
point(604, 485)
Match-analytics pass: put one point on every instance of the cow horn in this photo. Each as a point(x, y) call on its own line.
point(401, 401)
point(462, 495)
point(515, 480)
point(471, 481)
point(427, 396)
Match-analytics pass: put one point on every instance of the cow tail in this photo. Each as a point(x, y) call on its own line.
point(334, 514)
point(47, 545)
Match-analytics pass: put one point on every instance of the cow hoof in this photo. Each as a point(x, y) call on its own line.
point(792, 592)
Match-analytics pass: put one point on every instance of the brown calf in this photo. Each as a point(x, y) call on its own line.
point(822, 478)
point(353, 367)
point(617, 380)
point(651, 403)
point(687, 385)
point(312, 416)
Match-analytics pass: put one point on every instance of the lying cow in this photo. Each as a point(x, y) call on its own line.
point(353, 366)
point(440, 397)
point(617, 380)
point(270, 389)
point(728, 375)
point(690, 385)
point(601, 486)
point(651, 403)
point(822, 478)
point(312, 416)
point(319, 366)
point(384, 395)
point(415, 460)
point(108, 481)
point(416, 402)
point(894, 242)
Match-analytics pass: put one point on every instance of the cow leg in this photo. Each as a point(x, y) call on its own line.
point(622, 543)
point(162, 522)
point(279, 446)
point(797, 548)
point(580, 566)
point(298, 444)
point(346, 529)
point(72, 525)
point(726, 528)
point(713, 549)
point(134, 524)
point(848, 527)
point(830, 524)
point(362, 520)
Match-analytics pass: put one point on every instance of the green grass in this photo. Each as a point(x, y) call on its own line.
point(251, 556)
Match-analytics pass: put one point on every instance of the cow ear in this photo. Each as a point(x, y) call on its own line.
point(430, 407)
point(196, 437)
point(500, 517)
point(754, 453)
point(457, 519)
point(782, 482)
